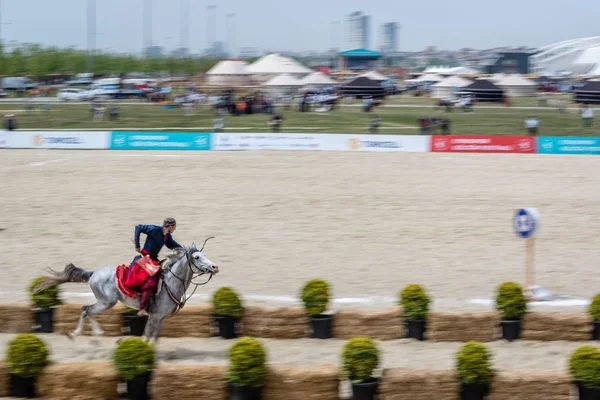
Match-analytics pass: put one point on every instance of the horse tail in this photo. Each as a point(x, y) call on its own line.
point(71, 273)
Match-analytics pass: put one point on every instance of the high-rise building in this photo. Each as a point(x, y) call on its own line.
point(390, 37)
point(358, 30)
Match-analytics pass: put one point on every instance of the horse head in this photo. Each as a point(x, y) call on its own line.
point(198, 262)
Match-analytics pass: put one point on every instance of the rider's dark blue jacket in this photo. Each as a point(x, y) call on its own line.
point(155, 239)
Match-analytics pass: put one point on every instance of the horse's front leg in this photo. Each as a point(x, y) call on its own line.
point(153, 326)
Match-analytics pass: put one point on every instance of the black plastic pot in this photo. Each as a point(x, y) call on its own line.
point(596, 332)
point(511, 330)
point(137, 388)
point(226, 326)
point(587, 393)
point(22, 387)
point(237, 392)
point(366, 390)
point(44, 320)
point(136, 324)
point(321, 326)
point(415, 329)
point(473, 391)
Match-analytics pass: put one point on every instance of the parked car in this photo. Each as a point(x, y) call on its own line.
point(72, 94)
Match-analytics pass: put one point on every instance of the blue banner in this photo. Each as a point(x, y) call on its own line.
point(160, 141)
point(568, 145)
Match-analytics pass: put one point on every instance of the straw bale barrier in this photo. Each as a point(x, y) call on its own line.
point(292, 323)
point(94, 380)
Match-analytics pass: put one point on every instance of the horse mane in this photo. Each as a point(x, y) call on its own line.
point(177, 254)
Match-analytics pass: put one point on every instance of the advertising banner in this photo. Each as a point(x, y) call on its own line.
point(2, 139)
point(483, 144)
point(568, 145)
point(160, 141)
point(267, 141)
point(57, 140)
point(404, 143)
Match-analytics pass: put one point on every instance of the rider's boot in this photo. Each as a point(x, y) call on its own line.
point(144, 303)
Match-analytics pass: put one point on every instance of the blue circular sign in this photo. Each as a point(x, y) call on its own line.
point(525, 222)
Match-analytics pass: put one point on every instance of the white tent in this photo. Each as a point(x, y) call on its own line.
point(271, 65)
point(448, 86)
point(317, 79)
point(429, 78)
point(283, 80)
point(229, 73)
point(375, 76)
point(517, 86)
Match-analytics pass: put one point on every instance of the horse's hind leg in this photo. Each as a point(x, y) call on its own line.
point(98, 308)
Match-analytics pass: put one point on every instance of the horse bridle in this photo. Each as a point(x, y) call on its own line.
point(179, 303)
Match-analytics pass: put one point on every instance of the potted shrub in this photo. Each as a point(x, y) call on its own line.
point(247, 373)
point(315, 296)
point(415, 303)
point(473, 365)
point(584, 366)
point(594, 311)
point(26, 357)
point(227, 311)
point(43, 304)
point(134, 359)
point(136, 324)
point(360, 357)
point(512, 304)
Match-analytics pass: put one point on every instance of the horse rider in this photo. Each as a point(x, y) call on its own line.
point(156, 238)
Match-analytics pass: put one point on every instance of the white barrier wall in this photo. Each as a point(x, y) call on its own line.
point(327, 142)
point(57, 140)
point(2, 140)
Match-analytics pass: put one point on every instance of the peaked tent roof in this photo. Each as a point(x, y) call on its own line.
point(360, 53)
point(482, 84)
point(430, 78)
point(453, 81)
point(277, 64)
point(317, 78)
point(589, 86)
point(515, 80)
point(283, 80)
point(363, 81)
point(376, 76)
point(229, 67)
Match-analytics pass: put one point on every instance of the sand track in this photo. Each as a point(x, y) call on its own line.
point(368, 223)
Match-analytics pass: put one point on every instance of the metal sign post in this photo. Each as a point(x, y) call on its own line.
point(526, 226)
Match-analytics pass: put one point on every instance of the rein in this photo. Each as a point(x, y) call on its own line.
point(179, 303)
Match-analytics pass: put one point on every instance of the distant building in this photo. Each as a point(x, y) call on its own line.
point(249, 52)
point(390, 37)
point(358, 30)
point(154, 52)
point(510, 62)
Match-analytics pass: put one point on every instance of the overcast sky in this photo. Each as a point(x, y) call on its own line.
point(304, 25)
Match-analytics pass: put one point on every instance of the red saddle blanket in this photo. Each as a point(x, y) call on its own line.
point(129, 279)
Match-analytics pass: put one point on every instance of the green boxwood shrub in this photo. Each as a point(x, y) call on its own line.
point(226, 302)
point(584, 366)
point(47, 298)
point(511, 301)
point(129, 311)
point(473, 364)
point(134, 357)
point(415, 302)
point(360, 357)
point(247, 359)
point(26, 356)
point(315, 296)
point(594, 308)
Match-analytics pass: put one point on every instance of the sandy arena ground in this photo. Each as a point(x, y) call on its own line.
point(369, 223)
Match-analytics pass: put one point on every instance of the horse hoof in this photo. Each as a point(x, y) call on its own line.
point(69, 335)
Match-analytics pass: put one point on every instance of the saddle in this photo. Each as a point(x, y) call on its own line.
point(129, 278)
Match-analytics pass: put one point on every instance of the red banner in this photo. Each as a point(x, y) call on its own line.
point(483, 144)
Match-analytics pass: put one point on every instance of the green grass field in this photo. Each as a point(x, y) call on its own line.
point(482, 121)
